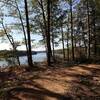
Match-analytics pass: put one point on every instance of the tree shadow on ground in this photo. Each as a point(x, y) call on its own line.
point(80, 78)
point(83, 82)
point(37, 93)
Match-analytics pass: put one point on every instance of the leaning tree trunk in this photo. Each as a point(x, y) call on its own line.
point(21, 20)
point(12, 43)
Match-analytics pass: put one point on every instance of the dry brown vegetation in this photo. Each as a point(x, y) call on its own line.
point(81, 82)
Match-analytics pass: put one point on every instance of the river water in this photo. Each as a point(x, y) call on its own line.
point(39, 57)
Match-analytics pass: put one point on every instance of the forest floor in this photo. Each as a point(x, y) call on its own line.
point(78, 82)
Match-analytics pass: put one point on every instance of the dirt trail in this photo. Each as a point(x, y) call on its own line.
point(80, 82)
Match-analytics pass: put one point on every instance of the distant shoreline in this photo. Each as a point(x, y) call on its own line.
point(4, 53)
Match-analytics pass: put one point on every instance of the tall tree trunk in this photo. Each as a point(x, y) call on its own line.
point(48, 34)
point(52, 32)
point(80, 49)
point(30, 62)
point(84, 41)
point(45, 24)
point(68, 40)
point(63, 40)
point(94, 30)
point(84, 44)
point(67, 47)
point(47, 29)
point(88, 19)
point(53, 48)
point(71, 11)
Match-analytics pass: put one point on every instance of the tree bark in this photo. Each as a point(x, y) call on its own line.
point(62, 40)
point(48, 34)
point(94, 30)
point(47, 30)
point(88, 19)
point(73, 58)
point(30, 62)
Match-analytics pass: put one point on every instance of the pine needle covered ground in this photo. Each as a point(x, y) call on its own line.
point(81, 82)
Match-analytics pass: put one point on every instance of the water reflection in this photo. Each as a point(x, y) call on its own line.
point(39, 57)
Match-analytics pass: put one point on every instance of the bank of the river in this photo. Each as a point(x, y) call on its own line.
point(7, 53)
